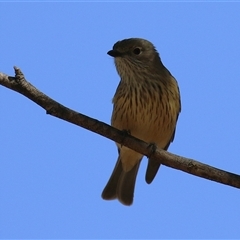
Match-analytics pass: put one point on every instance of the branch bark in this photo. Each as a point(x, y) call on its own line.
point(20, 85)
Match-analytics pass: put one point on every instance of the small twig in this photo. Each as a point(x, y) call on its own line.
point(19, 84)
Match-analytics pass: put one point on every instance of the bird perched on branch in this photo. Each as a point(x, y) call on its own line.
point(146, 105)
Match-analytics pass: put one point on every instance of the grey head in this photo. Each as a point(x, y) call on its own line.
point(136, 54)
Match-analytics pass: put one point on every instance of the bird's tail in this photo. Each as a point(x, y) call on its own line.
point(121, 184)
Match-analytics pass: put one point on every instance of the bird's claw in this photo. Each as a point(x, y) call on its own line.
point(125, 133)
point(153, 148)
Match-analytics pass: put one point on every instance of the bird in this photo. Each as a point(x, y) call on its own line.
point(146, 105)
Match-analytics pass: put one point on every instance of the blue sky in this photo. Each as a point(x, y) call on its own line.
point(52, 172)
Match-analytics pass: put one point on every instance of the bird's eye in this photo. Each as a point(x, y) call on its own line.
point(137, 51)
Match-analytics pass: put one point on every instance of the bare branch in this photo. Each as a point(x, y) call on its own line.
point(19, 84)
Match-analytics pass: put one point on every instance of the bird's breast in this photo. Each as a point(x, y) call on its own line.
point(148, 110)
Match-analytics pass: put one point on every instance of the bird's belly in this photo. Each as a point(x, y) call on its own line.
point(148, 113)
point(151, 123)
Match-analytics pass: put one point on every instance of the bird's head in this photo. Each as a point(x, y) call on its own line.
point(134, 54)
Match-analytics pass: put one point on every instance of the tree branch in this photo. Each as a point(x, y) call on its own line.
point(19, 84)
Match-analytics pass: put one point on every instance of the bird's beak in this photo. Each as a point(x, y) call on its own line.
point(114, 53)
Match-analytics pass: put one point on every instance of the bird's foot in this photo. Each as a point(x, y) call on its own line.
point(125, 133)
point(152, 147)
